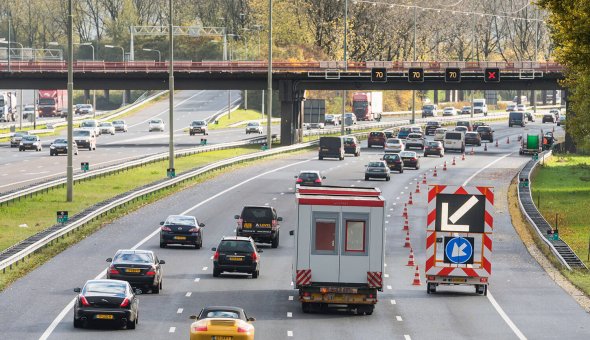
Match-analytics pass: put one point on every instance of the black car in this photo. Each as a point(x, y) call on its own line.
point(331, 147)
point(106, 301)
point(410, 159)
point(60, 145)
point(472, 138)
point(516, 118)
point(478, 124)
point(141, 268)
point(394, 162)
point(352, 146)
point(261, 223)
point(548, 118)
point(431, 127)
point(310, 178)
point(434, 148)
point(30, 142)
point(236, 254)
point(485, 133)
point(181, 229)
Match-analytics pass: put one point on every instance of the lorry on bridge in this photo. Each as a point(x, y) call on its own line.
point(339, 248)
point(7, 106)
point(52, 103)
point(367, 105)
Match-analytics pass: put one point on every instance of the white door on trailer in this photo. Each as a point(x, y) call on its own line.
point(354, 247)
point(324, 257)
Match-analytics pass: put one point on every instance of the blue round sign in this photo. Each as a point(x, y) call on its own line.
point(459, 250)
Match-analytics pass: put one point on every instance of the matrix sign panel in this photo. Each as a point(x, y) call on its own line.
point(379, 75)
point(416, 75)
point(460, 213)
point(453, 75)
point(492, 75)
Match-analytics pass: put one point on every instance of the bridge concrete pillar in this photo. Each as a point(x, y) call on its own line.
point(291, 108)
point(435, 96)
point(518, 97)
point(554, 97)
point(86, 96)
point(544, 96)
point(107, 95)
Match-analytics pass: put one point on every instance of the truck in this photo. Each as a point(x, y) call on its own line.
point(480, 106)
point(339, 248)
point(7, 106)
point(367, 105)
point(530, 143)
point(314, 113)
point(459, 229)
point(52, 103)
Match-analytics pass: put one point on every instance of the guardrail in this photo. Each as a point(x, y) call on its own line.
point(525, 201)
point(15, 254)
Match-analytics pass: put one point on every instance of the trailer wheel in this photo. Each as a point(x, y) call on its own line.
point(431, 288)
point(305, 307)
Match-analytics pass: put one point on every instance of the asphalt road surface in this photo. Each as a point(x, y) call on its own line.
point(523, 302)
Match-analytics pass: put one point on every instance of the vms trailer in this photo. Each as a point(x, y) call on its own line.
point(339, 251)
point(460, 224)
point(530, 144)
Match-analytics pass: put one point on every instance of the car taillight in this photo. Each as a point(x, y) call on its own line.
point(299, 180)
point(84, 301)
point(151, 272)
point(353, 145)
point(254, 257)
point(318, 180)
point(439, 148)
point(244, 329)
point(113, 270)
point(125, 302)
point(194, 230)
point(164, 228)
point(216, 256)
point(200, 328)
point(414, 158)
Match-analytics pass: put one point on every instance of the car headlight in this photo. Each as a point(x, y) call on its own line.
point(21, 143)
point(52, 147)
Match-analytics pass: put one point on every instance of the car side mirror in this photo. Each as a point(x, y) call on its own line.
point(260, 250)
point(291, 232)
point(295, 177)
point(201, 225)
point(323, 177)
point(162, 223)
point(237, 217)
point(77, 290)
point(213, 249)
point(162, 262)
point(109, 260)
point(251, 319)
point(193, 317)
point(138, 291)
point(279, 219)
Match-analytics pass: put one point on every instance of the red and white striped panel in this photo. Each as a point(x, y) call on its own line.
point(439, 268)
point(375, 279)
point(303, 277)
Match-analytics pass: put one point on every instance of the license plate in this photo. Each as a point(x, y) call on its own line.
point(221, 337)
point(104, 316)
point(247, 225)
point(325, 149)
point(234, 258)
point(180, 237)
point(458, 280)
point(132, 270)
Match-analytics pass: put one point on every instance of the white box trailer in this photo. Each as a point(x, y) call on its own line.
point(459, 230)
point(339, 251)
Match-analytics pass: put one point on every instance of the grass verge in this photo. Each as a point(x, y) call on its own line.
point(237, 116)
point(48, 252)
point(575, 283)
point(21, 219)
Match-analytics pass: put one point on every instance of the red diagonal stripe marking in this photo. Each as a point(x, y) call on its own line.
point(435, 190)
point(488, 192)
point(431, 217)
point(430, 239)
point(489, 219)
point(430, 263)
point(446, 271)
point(461, 191)
point(470, 272)
point(487, 242)
point(487, 265)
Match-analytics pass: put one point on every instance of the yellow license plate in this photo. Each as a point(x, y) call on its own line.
point(232, 258)
point(458, 280)
point(180, 237)
point(104, 316)
point(221, 337)
point(264, 225)
point(132, 270)
point(247, 225)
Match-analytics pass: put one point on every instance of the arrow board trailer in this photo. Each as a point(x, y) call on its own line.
point(459, 230)
point(339, 255)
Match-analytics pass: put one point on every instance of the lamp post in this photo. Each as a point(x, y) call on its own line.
point(171, 171)
point(93, 91)
point(342, 121)
point(269, 79)
point(123, 60)
point(70, 168)
point(152, 50)
point(414, 91)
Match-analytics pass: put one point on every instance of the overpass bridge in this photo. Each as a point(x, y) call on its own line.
point(291, 79)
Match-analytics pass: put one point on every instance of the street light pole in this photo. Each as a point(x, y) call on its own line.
point(93, 91)
point(345, 66)
point(70, 168)
point(171, 171)
point(415, 57)
point(269, 79)
point(152, 50)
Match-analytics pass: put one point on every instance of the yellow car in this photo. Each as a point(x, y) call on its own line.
point(222, 323)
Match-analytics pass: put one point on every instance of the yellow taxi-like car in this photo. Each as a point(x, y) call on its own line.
point(222, 323)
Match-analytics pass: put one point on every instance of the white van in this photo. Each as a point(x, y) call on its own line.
point(454, 140)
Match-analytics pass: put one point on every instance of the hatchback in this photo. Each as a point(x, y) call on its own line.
point(352, 146)
point(410, 159)
point(394, 145)
point(376, 138)
point(377, 170)
point(309, 178)
point(472, 138)
point(434, 148)
point(236, 254)
point(394, 162)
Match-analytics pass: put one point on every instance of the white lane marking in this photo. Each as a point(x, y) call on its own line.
point(405, 188)
point(386, 275)
point(172, 330)
point(289, 333)
point(401, 193)
point(385, 265)
point(274, 198)
point(291, 283)
point(70, 305)
point(188, 294)
point(197, 279)
point(282, 193)
point(397, 198)
point(205, 268)
point(504, 316)
point(161, 113)
point(388, 287)
point(485, 167)
point(179, 311)
point(388, 215)
point(289, 314)
point(290, 297)
point(398, 318)
point(392, 301)
point(407, 337)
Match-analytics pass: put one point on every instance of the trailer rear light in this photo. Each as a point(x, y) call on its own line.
point(323, 290)
point(84, 301)
point(299, 180)
point(430, 278)
point(483, 280)
point(216, 256)
point(164, 228)
point(318, 180)
point(113, 270)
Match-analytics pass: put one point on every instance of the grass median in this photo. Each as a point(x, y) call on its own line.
point(237, 116)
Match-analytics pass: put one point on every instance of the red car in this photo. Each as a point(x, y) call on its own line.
point(377, 138)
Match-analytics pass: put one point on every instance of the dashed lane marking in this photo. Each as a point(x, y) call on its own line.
point(289, 333)
point(290, 297)
point(197, 279)
point(398, 318)
point(188, 294)
point(388, 287)
point(205, 268)
point(289, 314)
point(407, 337)
point(392, 301)
point(386, 275)
point(172, 330)
point(179, 311)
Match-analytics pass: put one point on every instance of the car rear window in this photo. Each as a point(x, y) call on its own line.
point(376, 165)
point(133, 257)
point(257, 214)
point(432, 144)
point(180, 220)
point(432, 123)
point(377, 134)
point(462, 123)
point(440, 130)
point(405, 154)
point(393, 141)
point(334, 142)
point(405, 129)
point(471, 134)
point(391, 157)
point(308, 176)
point(236, 246)
point(453, 135)
point(414, 135)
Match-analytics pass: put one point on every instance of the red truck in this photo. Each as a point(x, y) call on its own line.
point(367, 105)
point(52, 103)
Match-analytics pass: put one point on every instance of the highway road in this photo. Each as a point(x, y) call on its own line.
point(523, 302)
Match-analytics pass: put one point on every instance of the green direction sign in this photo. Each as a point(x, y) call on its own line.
point(84, 166)
point(62, 216)
point(171, 172)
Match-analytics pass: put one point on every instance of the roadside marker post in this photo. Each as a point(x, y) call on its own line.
point(84, 166)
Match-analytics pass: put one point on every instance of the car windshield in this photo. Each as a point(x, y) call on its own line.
point(222, 314)
point(30, 138)
point(253, 124)
point(29, 108)
point(462, 123)
point(118, 122)
point(405, 154)
point(449, 108)
point(308, 176)
point(20, 134)
point(106, 124)
point(393, 141)
point(432, 144)
point(105, 287)
point(461, 128)
point(236, 246)
point(329, 116)
point(88, 124)
point(198, 123)
point(180, 220)
point(133, 257)
point(466, 107)
point(81, 133)
point(60, 141)
point(155, 122)
point(453, 135)
point(376, 165)
point(428, 107)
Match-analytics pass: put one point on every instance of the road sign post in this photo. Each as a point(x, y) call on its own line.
point(62, 216)
point(171, 172)
point(84, 166)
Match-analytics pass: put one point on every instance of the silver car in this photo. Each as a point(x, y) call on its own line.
point(107, 127)
point(377, 169)
point(253, 127)
point(120, 125)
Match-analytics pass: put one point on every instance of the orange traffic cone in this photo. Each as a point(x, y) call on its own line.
point(406, 225)
point(485, 147)
point(407, 242)
point(445, 166)
point(463, 156)
point(453, 161)
point(508, 140)
point(417, 281)
point(434, 174)
point(410, 202)
point(405, 213)
point(411, 259)
point(417, 187)
point(424, 179)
